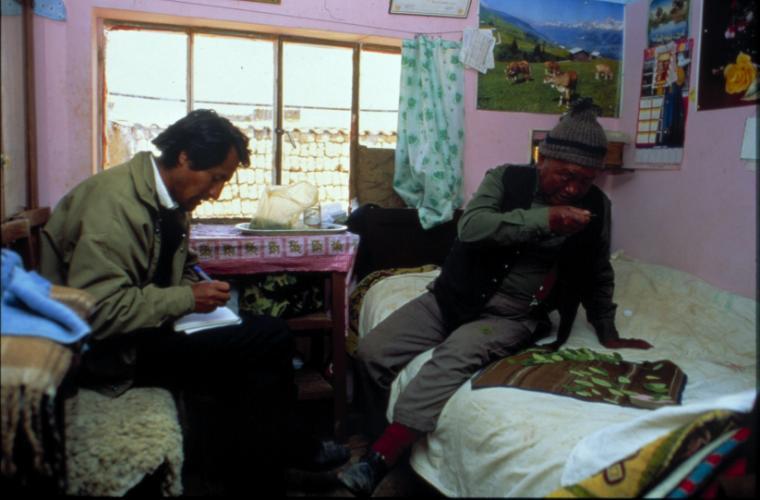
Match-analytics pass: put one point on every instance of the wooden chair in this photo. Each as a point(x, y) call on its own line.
point(16, 235)
point(33, 370)
point(65, 451)
point(22, 233)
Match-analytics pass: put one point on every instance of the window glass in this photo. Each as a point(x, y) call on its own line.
point(317, 93)
point(235, 77)
point(146, 88)
point(379, 78)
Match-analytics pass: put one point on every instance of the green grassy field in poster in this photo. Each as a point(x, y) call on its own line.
point(522, 43)
point(496, 93)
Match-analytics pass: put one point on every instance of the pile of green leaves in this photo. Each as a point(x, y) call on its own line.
point(592, 377)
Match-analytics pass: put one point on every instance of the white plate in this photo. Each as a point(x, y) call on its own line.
point(325, 229)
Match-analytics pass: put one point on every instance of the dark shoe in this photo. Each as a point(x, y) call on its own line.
point(363, 477)
point(328, 455)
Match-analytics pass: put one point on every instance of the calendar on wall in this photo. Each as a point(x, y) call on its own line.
point(663, 104)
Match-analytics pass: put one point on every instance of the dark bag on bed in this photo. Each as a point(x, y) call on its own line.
point(393, 238)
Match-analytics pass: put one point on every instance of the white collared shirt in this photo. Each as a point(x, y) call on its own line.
point(164, 198)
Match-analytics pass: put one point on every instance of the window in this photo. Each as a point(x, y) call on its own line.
point(301, 129)
point(379, 91)
point(317, 117)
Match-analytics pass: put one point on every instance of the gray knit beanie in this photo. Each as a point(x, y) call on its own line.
point(578, 137)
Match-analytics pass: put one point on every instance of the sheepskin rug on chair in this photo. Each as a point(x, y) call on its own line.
point(113, 443)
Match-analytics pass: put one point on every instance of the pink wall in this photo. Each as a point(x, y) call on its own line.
point(700, 219)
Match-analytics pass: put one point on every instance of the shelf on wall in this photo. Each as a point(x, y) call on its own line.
point(618, 170)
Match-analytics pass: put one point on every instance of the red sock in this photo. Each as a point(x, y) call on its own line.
point(396, 439)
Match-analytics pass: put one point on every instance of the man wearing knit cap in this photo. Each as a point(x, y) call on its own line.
point(531, 239)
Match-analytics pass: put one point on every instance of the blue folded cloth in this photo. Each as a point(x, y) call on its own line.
point(27, 308)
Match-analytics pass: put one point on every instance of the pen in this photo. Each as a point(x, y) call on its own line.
point(200, 272)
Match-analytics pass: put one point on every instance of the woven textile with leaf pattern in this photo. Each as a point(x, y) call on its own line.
point(283, 295)
point(588, 375)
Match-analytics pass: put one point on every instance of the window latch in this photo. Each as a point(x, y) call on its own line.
point(287, 133)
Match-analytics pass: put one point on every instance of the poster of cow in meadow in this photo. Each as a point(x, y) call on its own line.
point(551, 53)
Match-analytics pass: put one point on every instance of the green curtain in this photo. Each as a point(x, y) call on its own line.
point(428, 170)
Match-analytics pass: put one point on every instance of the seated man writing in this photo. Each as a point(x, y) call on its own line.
point(530, 240)
point(122, 235)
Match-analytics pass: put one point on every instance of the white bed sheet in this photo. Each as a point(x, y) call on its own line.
point(511, 442)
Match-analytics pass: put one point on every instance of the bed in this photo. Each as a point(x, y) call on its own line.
point(505, 441)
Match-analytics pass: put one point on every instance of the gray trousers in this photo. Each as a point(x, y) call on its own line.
point(504, 327)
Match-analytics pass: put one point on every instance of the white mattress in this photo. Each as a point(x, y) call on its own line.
point(511, 442)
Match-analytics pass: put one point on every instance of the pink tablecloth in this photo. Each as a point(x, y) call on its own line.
point(223, 249)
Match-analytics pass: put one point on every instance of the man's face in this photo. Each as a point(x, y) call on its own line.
point(562, 182)
point(190, 187)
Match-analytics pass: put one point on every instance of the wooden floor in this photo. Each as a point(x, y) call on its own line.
point(401, 481)
point(315, 418)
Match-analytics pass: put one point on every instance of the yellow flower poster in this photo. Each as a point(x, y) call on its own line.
point(728, 69)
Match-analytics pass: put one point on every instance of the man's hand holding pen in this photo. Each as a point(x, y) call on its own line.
point(209, 294)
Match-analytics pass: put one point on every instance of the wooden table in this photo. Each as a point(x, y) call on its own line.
point(224, 250)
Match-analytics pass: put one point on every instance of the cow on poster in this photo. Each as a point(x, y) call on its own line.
point(552, 52)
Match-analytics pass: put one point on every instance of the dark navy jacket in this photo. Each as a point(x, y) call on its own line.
point(473, 271)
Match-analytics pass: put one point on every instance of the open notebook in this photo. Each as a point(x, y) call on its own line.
point(197, 322)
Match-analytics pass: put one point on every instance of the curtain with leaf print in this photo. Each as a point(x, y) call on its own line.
point(428, 170)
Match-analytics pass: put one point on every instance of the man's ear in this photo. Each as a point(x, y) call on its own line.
point(540, 161)
point(183, 160)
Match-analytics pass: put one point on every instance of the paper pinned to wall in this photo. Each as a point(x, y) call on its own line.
point(52, 9)
point(477, 49)
point(749, 143)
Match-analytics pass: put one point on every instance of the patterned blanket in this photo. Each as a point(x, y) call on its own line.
point(588, 375)
point(637, 473)
point(283, 295)
point(32, 370)
point(357, 297)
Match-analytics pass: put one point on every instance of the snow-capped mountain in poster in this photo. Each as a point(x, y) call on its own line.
point(589, 25)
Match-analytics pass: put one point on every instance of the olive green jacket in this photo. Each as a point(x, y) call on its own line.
point(103, 237)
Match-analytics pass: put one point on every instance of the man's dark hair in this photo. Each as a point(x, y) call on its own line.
point(205, 137)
